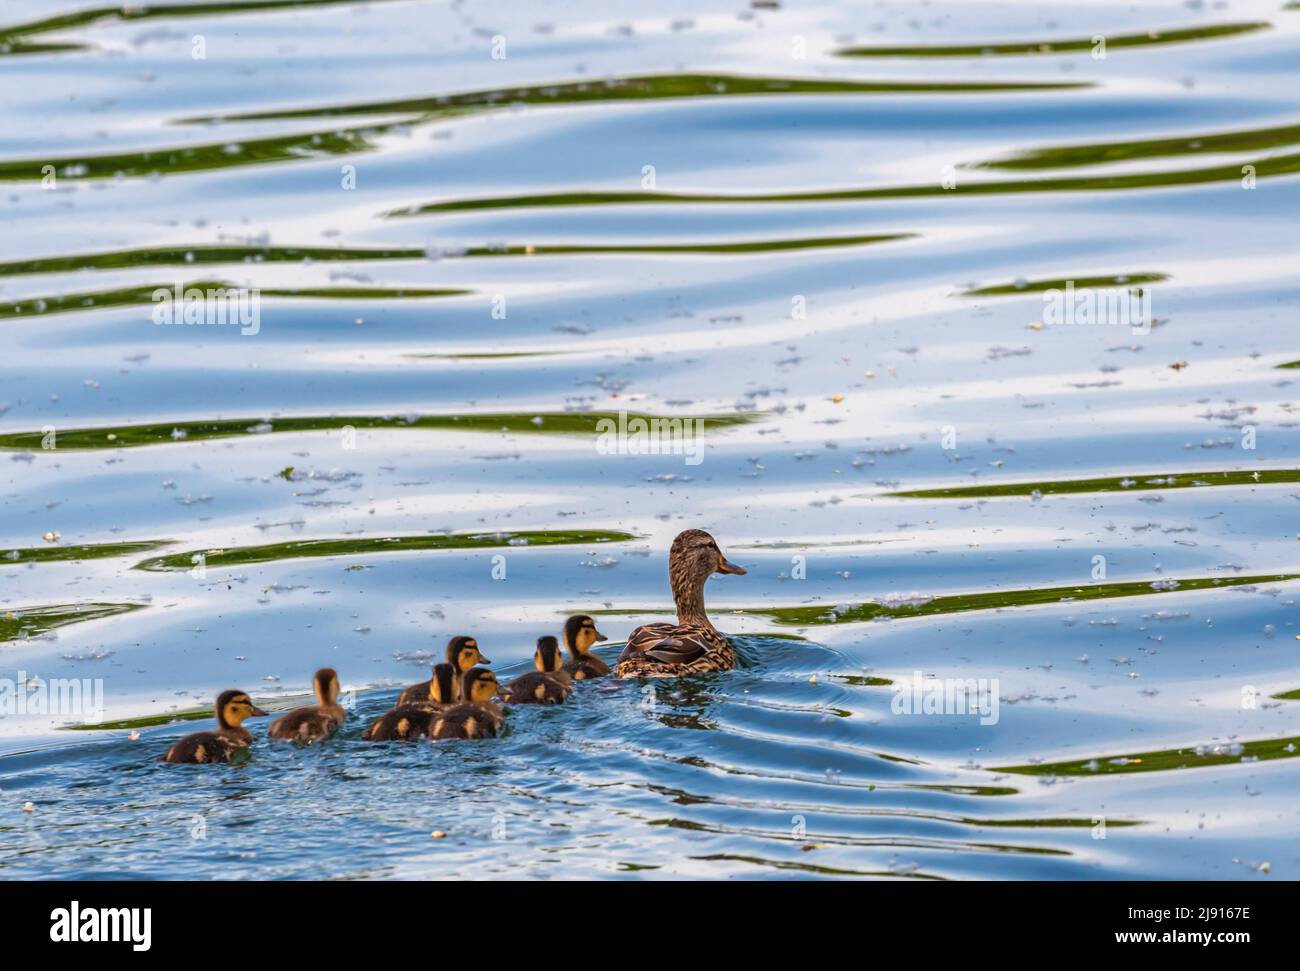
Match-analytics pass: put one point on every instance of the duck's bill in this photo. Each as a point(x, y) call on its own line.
point(484, 660)
point(259, 713)
point(601, 637)
point(725, 567)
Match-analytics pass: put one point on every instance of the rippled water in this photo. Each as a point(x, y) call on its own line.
point(826, 231)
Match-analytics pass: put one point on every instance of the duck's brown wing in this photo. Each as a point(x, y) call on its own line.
point(403, 723)
point(669, 643)
point(465, 721)
point(303, 725)
point(201, 748)
point(415, 694)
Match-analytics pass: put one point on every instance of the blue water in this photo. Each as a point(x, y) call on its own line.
point(797, 763)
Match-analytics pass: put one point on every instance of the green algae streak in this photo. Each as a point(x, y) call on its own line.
point(1195, 757)
point(855, 613)
point(521, 423)
point(1119, 483)
point(362, 546)
point(1067, 46)
point(1079, 282)
point(24, 622)
point(88, 551)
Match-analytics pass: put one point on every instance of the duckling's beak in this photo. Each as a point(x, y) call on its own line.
point(599, 635)
point(259, 713)
point(725, 567)
point(482, 659)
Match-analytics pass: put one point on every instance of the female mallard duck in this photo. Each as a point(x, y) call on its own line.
point(311, 724)
point(549, 684)
point(479, 716)
point(692, 645)
point(580, 635)
point(231, 735)
point(462, 654)
point(415, 719)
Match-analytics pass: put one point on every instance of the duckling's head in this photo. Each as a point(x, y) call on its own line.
point(444, 689)
point(481, 686)
point(548, 656)
point(463, 654)
point(233, 707)
point(580, 634)
point(326, 685)
point(695, 557)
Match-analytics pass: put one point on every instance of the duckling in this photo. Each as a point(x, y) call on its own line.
point(480, 716)
point(311, 724)
point(549, 684)
point(413, 720)
point(692, 645)
point(580, 635)
point(231, 735)
point(462, 654)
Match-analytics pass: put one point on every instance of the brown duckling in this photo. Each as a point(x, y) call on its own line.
point(315, 722)
point(415, 719)
point(580, 635)
point(549, 684)
point(230, 737)
point(462, 654)
point(479, 716)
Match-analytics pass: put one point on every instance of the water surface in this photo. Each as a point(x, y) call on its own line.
point(827, 232)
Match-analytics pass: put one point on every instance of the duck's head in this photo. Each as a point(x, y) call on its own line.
point(580, 635)
point(444, 689)
point(695, 556)
point(233, 707)
point(463, 653)
point(481, 686)
point(548, 657)
point(325, 683)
